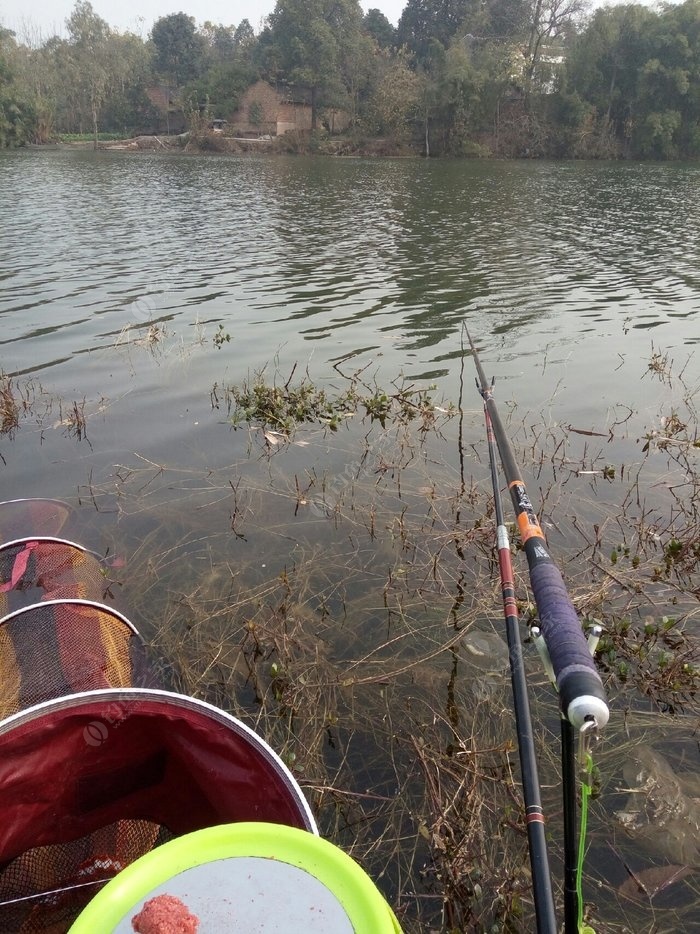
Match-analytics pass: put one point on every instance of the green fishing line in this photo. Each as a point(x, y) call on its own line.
point(586, 789)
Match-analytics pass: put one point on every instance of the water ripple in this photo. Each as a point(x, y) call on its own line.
point(348, 254)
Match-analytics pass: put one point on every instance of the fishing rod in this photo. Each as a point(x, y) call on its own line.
point(534, 814)
point(582, 699)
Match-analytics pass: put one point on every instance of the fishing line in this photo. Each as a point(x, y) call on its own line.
point(586, 794)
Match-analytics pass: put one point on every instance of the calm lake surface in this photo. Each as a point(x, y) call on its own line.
point(133, 285)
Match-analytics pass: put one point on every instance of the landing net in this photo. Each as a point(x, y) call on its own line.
point(98, 764)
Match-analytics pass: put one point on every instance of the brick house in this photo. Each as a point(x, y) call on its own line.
point(265, 110)
point(166, 103)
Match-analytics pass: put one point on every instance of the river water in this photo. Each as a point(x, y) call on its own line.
point(133, 285)
point(374, 262)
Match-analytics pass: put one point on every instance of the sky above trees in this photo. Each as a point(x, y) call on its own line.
point(47, 17)
point(138, 15)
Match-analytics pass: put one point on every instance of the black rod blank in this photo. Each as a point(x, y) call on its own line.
point(534, 814)
point(581, 692)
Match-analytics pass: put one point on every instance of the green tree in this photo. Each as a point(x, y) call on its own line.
point(549, 20)
point(219, 43)
point(357, 67)
point(221, 87)
point(669, 85)
point(656, 134)
point(35, 73)
point(127, 107)
point(640, 71)
point(505, 19)
point(470, 78)
point(178, 48)
point(95, 77)
point(318, 44)
point(17, 114)
point(603, 64)
point(245, 43)
point(398, 101)
point(63, 86)
point(230, 55)
point(89, 37)
point(379, 28)
point(685, 19)
point(426, 21)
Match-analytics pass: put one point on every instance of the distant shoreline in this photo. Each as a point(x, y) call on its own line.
point(217, 144)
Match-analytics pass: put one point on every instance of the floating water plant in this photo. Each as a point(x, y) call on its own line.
point(285, 405)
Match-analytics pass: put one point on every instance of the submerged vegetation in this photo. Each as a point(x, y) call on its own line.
point(336, 587)
point(27, 403)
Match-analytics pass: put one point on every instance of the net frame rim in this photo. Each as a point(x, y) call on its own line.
point(50, 540)
point(278, 845)
point(184, 702)
point(102, 607)
point(36, 499)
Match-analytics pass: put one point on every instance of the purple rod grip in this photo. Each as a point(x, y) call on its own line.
point(574, 669)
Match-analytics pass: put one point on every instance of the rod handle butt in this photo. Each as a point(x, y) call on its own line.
point(586, 707)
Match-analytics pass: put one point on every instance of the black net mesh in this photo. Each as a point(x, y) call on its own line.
point(69, 874)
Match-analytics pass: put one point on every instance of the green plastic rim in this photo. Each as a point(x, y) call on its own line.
point(366, 908)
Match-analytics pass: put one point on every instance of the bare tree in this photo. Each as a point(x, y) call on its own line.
point(550, 18)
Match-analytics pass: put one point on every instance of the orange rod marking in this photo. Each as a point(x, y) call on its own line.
point(528, 528)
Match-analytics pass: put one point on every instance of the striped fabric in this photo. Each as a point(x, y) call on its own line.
point(51, 649)
point(48, 569)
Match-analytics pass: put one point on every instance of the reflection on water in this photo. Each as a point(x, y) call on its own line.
point(561, 270)
point(340, 256)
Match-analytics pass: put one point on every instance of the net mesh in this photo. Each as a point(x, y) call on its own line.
point(80, 866)
point(52, 649)
point(96, 767)
point(33, 570)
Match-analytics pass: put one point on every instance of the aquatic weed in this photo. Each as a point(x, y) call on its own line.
point(339, 633)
